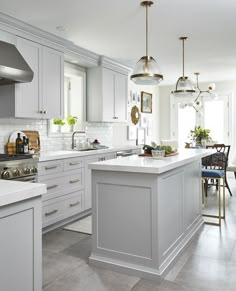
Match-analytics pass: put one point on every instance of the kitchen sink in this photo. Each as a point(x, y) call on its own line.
point(85, 149)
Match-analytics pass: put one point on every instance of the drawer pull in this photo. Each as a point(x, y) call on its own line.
point(52, 187)
point(74, 204)
point(50, 168)
point(51, 213)
point(101, 159)
point(74, 164)
point(74, 181)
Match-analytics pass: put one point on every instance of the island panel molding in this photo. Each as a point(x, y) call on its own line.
point(145, 212)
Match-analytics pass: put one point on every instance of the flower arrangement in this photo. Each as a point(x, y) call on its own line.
point(200, 135)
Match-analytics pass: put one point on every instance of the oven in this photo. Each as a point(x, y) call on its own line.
point(22, 168)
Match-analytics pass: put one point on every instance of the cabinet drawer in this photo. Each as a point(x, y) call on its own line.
point(51, 167)
point(74, 180)
point(73, 163)
point(62, 207)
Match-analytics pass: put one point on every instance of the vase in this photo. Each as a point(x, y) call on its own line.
point(71, 127)
point(58, 128)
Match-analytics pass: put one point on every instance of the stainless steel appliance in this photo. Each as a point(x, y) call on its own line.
point(13, 67)
point(18, 168)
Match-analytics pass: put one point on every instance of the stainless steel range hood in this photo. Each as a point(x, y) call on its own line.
point(13, 67)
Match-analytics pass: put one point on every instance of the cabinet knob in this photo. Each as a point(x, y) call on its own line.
point(115, 117)
point(41, 111)
point(44, 111)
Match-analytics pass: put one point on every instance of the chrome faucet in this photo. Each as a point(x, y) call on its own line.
point(73, 138)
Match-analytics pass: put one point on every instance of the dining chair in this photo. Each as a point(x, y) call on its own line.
point(214, 174)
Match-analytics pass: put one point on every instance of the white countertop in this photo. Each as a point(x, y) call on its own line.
point(12, 191)
point(54, 155)
point(150, 165)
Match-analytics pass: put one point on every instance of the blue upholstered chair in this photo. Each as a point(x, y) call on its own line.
point(214, 174)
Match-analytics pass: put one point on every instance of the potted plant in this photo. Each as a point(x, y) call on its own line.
point(200, 136)
point(71, 121)
point(59, 123)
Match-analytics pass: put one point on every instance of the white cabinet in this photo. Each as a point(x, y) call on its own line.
point(88, 160)
point(43, 97)
point(21, 246)
point(65, 189)
point(107, 95)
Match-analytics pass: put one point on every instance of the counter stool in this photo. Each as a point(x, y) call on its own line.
point(219, 176)
point(214, 174)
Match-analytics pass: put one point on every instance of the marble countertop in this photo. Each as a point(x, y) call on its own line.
point(54, 155)
point(13, 191)
point(150, 165)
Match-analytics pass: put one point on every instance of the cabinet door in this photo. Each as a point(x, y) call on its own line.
point(53, 80)
point(108, 85)
point(28, 94)
point(21, 249)
point(120, 97)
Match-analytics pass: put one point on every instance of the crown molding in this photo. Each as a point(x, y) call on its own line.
point(113, 65)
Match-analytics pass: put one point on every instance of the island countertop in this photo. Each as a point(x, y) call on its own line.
point(13, 191)
point(140, 164)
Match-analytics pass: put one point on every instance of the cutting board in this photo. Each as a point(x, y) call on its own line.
point(34, 139)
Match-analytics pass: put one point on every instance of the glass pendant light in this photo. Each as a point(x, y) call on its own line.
point(146, 71)
point(184, 86)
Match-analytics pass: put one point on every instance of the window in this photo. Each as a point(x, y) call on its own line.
point(215, 115)
point(74, 98)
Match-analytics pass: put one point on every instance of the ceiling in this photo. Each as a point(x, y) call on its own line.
point(116, 29)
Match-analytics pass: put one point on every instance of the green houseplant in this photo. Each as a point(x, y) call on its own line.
point(59, 123)
point(200, 135)
point(71, 121)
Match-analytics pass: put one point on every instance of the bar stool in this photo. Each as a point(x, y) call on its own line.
point(214, 171)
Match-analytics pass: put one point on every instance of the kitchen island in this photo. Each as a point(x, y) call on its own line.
point(145, 211)
point(21, 236)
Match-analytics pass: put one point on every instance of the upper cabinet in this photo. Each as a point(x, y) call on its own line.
point(107, 94)
point(43, 97)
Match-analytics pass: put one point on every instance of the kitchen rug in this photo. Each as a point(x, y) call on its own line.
point(83, 225)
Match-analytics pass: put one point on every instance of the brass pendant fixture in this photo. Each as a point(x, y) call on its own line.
point(197, 104)
point(146, 71)
point(184, 87)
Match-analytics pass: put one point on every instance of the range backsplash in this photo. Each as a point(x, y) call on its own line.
point(60, 141)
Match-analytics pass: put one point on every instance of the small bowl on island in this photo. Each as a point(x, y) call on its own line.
point(158, 154)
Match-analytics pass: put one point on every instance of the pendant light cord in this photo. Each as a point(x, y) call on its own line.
point(146, 30)
point(183, 59)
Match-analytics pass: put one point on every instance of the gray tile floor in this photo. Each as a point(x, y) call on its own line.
point(209, 263)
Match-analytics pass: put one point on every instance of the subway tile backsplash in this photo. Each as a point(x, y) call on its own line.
point(56, 141)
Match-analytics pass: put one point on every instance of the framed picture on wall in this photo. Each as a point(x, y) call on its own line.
point(146, 102)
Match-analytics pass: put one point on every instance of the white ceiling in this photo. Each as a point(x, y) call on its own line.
point(117, 29)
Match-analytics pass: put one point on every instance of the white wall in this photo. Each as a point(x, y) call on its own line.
point(120, 130)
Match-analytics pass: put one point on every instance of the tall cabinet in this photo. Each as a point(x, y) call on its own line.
point(43, 97)
point(107, 91)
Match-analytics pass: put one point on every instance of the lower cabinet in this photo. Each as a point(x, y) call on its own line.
point(68, 187)
point(65, 189)
point(21, 246)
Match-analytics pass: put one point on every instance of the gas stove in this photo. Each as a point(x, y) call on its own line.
point(18, 167)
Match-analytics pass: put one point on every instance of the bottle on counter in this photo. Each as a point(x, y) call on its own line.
point(19, 144)
point(26, 145)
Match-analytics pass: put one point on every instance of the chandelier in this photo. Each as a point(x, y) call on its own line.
point(146, 71)
point(197, 103)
